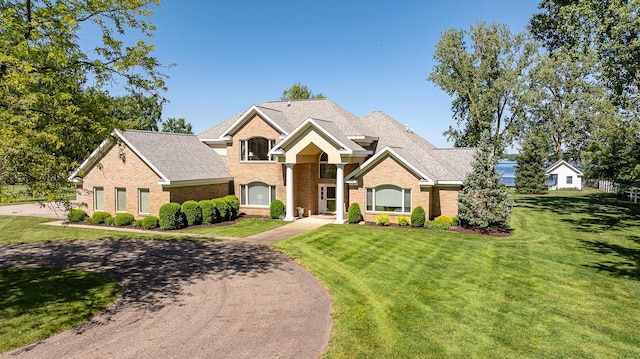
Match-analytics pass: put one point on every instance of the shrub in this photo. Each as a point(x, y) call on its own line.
point(417, 217)
point(150, 222)
point(76, 215)
point(209, 211)
point(100, 217)
point(233, 204)
point(382, 220)
point(123, 219)
point(109, 221)
point(444, 219)
point(223, 209)
point(455, 221)
point(276, 209)
point(171, 216)
point(437, 225)
point(403, 221)
point(137, 223)
point(353, 214)
point(192, 212)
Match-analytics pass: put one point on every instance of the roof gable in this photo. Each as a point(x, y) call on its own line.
point(562, 163)
point(389, 152)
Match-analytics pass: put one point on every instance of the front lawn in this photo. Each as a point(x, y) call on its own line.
point(243, 228)
point(37, 303)
point(18, 194)
point(565, 284)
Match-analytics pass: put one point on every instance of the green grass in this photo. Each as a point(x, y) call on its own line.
point(37, 303)
point(15, 229)
point(18, 194)
point(566, 284)
point(244, 228)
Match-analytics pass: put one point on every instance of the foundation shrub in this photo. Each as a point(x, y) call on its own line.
point(109, 221)
point(137, 223)
point(123, 219)
point(354, 215)
point(383, 220)
point(417, 217)
point(437, 225)
point(223, 209)
point(276, 209)
point(76, 215)
point(209, 211)
point(233, 203)
point(403, 221)
point(100, 217)
point(150, 222)
point(192, 212)
point(171, 216)
point(444, 219)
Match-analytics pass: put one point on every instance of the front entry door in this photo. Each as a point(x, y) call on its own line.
point(327, 198)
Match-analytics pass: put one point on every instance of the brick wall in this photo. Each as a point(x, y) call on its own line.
point(198, 193)
point(113, 172)
point(445, 202)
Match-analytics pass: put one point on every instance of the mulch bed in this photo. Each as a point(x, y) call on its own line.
point(493, 232)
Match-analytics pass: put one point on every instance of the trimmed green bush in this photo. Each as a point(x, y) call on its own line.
point(437, 225)
point(417, 217)
point(171, 216)
point(109, 221)
point(223, 209)
point(192, 212)
point(403, 221)
point(137, 223)
point(353, 214)
point(383, 220)
point(276, 209)
point(209, 211)
point(100, 217)
point(444, 219)
point(76, 215)
point(150, 222)
point(455, 221)
point(123, 219)
point(233, 203)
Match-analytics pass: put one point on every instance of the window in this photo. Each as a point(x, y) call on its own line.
point(121, 200)
point(569, 179)
point(388, 198)
point(257, 194)
point(144, 200)
point(256, 149)
point(98, 198)
point(327, 171)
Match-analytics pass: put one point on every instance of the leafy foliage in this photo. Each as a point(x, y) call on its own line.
point(150, 222)
point(171, 216)
point(52, 112)
point(123, 219)
point(417, 217)
point(209, 212)
point(192, 212)
point(354, 215)
point(276, 209)
point(233, 203)
point(484, 78)
point(530, 173)
point(137, 223)
point(403, 221)
point(100, 217)
point(299, 91)
point(177, 126)
point(222, 208)
point(383, 219)
point(76, 215)
point(444, 219)
point(483, 201)
point(437, 225)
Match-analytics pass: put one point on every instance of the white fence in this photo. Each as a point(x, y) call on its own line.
point(632, 193)
point(608, 186)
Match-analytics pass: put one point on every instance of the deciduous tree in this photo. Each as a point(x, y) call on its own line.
point(299, 91)
point(176, 126)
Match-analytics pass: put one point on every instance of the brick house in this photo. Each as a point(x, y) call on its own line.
point(312, 154)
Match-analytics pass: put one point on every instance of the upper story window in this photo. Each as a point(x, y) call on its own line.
point(256, 149)
point(327, 171)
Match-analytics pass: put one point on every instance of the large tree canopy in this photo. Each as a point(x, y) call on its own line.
point(53, 103)
point(482, 69)
point(299, 91)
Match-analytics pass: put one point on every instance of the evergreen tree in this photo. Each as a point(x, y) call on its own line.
point(484, 202)
point(530, 174)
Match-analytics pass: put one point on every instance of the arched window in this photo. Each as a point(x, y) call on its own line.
point(327, 171)
point(389, 198)
point(257, 194)
point(256, 149)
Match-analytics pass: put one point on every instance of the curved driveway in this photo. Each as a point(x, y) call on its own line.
point(186, 299)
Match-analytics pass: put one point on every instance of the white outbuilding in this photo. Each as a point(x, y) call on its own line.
point(563, 175)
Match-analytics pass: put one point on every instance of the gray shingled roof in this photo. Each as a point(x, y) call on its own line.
point(178, 157)
point(439, 164)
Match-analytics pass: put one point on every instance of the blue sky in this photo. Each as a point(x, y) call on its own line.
point(363, 55)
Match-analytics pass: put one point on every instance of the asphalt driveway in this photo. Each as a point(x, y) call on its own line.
point(186, 299)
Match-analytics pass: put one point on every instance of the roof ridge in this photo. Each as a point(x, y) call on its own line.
point(158, 132)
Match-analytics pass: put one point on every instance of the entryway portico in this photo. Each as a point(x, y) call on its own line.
point(300, 152)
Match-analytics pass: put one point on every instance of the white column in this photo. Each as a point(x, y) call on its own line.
point(289, 205)
point(339, 194)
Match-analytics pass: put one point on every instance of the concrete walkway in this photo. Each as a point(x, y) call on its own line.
point(292, 229)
